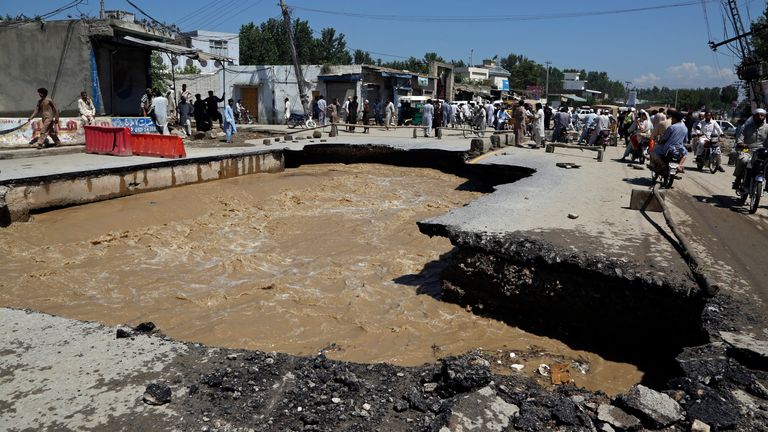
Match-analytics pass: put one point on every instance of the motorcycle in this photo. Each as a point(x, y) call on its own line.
point(711, 156)
point(303, 120)
point(754, 183)
point(665, 174)
point(639, 149)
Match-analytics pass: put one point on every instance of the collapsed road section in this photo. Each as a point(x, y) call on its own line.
point(519, 258)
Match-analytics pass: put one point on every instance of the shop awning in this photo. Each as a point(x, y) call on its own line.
point(192, 53)
point(396, 75)
point(341, 77)
point(574, 98)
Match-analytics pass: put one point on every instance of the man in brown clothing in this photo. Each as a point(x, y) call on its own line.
point(50, 114)
point(519, 123)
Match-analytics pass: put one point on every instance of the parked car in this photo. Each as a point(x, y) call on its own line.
point(728, 128)
point(582, 112)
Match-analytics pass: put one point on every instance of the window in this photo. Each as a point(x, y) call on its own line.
point(218, 47)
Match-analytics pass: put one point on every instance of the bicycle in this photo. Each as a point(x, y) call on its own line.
point(477, 126)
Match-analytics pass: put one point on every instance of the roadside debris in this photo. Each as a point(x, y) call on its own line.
point(567, 165)
point(157, 394)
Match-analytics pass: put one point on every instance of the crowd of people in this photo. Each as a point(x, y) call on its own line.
point(381, 112)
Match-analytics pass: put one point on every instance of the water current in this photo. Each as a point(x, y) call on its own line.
point(318, 258)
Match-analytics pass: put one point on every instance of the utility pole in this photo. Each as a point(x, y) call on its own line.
point(295, 55)
point(750, 70)
point(102, 15)
point(472, 51)
point(546, 85)
point(626, 98)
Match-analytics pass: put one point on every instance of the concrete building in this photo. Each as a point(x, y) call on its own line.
point(216, 43)
point(263, 89)
point(487, 80)
point(70, 56)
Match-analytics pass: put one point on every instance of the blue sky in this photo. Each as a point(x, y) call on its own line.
point(659, 42)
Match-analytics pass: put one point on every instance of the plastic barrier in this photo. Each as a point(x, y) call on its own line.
point(108, 140)
point(166, 146)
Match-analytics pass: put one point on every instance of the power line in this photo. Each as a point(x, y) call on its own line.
point(496, 18)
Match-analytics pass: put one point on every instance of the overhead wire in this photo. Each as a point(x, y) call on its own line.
point(495, 18)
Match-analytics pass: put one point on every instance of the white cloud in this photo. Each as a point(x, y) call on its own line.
point(646, 80)
point(704, 75)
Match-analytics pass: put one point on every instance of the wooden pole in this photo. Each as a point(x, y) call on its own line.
point(295, 56)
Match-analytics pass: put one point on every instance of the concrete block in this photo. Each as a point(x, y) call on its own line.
point(317, 134)
point(334, 131)
point(288, 138)
point(550, 148)
point(415, 133)
point(506, 139)
point(277, 139)
point(479, 145)
point(439, 133)
point(267, 141)
point(639, 198)
point(495, 141)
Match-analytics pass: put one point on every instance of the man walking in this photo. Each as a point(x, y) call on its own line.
point(353, 106)
point(159, 108)
point(229, 120)
point(50, 115)
point(389, 111)
point(287, 110)
point(538, 126)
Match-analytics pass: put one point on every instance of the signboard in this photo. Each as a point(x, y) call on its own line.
point(632, 98)
point(423, 82)
point(136, 124)
point(505, 85)
point(70, 129)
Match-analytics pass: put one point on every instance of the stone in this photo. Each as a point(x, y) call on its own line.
point(367, 406)
point(336, 400)
point(656, 409)
point(267, 141)
point(429, 387)
point(157, 394)
point(277, 139)
point(317, 134)
point(607, 428)
point(573, 216)
point(745, 345)
point(482, 410)
point(617, 417)
point(288, 138)
point(479, 145)
point(495, 141)
point(145, 327)
point(400, 406)
point(121, 334)
point(464, 373)
point(699, 426)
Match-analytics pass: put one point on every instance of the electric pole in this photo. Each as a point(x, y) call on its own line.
point(546, 85)
point(102, 15)
point(750, 70)
point(295, 55)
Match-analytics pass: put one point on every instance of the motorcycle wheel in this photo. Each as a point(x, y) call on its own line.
point(754, 196)
point(700, 166)
point(714, 163)
point(291, 125)
point(668, 180)
point(310, 124)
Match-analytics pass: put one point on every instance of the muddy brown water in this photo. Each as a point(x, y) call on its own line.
point(323, 257)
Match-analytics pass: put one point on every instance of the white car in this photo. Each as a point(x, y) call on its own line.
point(581, 113)
point(728, 128)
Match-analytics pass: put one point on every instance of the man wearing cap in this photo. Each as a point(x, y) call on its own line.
point(672, 141)
point(752, 136)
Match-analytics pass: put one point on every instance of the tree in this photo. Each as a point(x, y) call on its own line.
point(268, 44)
point(159, 73)
point(189, 69)
point(729, 94)
point(331, 48)
point(362, 57)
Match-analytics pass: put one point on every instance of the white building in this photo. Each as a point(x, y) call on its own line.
point(572, 82)
point(217, 43)
point(498, 76)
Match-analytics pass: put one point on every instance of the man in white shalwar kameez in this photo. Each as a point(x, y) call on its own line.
point(426, 118)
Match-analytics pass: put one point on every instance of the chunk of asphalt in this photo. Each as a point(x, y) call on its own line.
point(157, 394)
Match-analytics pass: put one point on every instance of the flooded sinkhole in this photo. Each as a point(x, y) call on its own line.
point(319, 257)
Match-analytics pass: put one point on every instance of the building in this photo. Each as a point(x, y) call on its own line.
point(216, 43)
point(71, 56)
point(487, 80)
point(263, 89)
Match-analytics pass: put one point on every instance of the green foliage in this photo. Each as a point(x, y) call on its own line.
point(760, 36)
point(711, 98)
point(160, 76)
point(362, 57)
point(189, 69)
point(268, 44)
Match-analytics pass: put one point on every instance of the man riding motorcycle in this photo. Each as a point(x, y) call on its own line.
point(707, 129)
point(673, 142)
point(751, 136)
